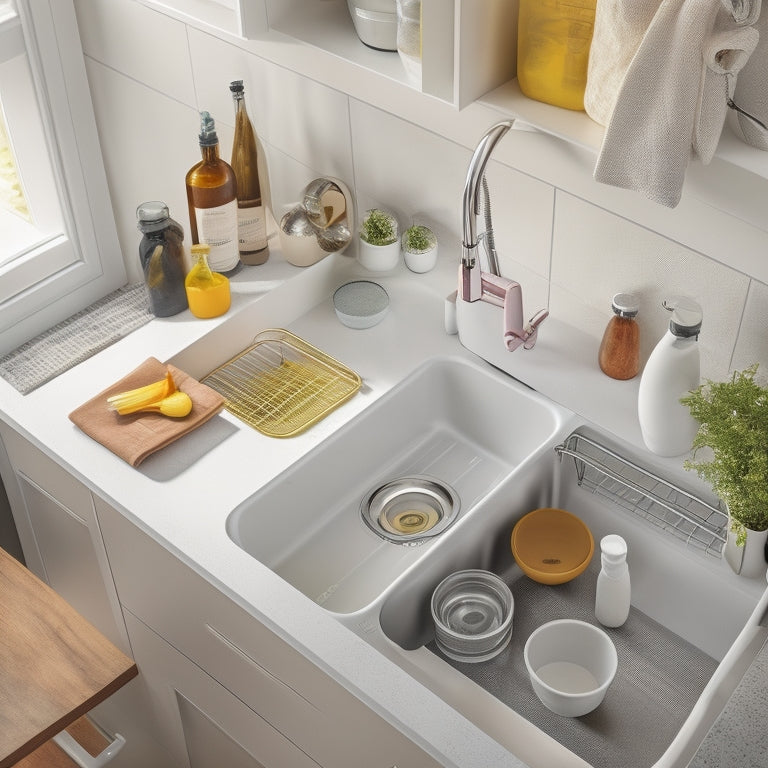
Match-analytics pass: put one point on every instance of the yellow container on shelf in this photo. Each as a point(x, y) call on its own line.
point(554, 37)
point(207, 292)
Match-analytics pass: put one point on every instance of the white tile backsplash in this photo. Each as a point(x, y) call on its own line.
point(149, 142)
point(150, 74)
point(215, 64)
point(406, 169)
point(138, 42)
point(752, 340)
point(596, 254)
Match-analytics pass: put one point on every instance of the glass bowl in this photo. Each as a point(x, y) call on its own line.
point(472, 611)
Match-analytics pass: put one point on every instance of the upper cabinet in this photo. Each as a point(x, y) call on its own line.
point(467, 46)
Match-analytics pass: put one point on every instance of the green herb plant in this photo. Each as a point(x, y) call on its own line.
point(378, 227)
point(733, 425)
point(418, 239)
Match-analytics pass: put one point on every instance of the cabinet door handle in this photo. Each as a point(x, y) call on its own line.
point(81, 757)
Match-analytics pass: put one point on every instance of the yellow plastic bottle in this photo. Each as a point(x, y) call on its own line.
point(207, 292)
point(554, 38)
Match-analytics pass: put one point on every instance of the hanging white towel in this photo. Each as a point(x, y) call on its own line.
point(651, 133)
point(726, 51)
point(620, 26)
point(752, 90)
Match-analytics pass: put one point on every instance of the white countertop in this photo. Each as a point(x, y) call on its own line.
point(182, 495)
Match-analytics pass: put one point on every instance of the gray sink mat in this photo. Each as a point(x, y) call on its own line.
point(659, 679)
point(75, 339)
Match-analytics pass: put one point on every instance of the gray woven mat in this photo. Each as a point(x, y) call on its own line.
point(659, 679)
point(77, 338)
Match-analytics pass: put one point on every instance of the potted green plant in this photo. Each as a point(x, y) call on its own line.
point(419, 248)
point(733, 432)
point(379, 248)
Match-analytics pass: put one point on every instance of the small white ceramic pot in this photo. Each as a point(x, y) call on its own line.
point(378, 258)
point(420, 261)
point(749, 560)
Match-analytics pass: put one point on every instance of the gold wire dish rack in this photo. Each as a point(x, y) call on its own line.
point(281, 385)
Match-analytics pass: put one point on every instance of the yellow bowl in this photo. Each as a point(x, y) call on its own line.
point(552, 546)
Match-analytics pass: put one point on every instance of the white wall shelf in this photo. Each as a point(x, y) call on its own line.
point(469, 57)
point(465, 45)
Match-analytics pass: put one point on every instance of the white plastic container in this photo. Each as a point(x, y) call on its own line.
point(571, 664)
point(613, 595)
point(672, 370)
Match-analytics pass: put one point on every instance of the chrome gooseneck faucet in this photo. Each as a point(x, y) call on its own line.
point(474, 283)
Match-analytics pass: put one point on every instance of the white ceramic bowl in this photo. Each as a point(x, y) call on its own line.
point(571, 664)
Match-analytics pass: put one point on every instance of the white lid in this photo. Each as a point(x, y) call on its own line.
point(613, 548)
point(625, 304)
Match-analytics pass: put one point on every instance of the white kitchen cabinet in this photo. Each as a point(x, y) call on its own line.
point(57, 527)
point(264, 672)
point(205, 726)
point(61, 542)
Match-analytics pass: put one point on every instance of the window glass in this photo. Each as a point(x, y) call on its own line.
point(11, 194)
point(59, 250)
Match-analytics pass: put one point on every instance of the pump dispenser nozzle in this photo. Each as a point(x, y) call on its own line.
point(686, 316)
point(208, 135)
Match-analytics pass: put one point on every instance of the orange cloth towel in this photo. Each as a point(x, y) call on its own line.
point(137, 435)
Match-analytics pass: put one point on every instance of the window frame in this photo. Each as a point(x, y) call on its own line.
point(83, 262)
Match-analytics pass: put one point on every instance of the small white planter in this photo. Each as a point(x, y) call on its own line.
point(378, 226)
point(420, 259)
point(749, 560)
point(378, 258)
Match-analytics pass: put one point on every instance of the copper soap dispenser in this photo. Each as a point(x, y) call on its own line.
point(619, 354)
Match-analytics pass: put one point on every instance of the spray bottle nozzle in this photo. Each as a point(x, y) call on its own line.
point(208, 135)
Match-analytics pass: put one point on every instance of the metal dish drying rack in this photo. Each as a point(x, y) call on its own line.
point(605, 473)
point(282, 385)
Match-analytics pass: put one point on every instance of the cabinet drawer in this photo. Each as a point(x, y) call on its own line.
point(271, 677)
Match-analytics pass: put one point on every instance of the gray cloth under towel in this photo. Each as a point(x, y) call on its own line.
point(77, 338)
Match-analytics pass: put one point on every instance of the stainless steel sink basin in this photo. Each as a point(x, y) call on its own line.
point(459, 427)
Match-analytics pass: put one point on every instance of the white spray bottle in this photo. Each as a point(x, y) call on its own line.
point(672, 370)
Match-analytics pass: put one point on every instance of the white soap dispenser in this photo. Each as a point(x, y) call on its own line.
point(612, 598)
point(672, 370)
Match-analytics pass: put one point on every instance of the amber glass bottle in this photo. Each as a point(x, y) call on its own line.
point(251, 219)
point(619, 353)
point(212, 200)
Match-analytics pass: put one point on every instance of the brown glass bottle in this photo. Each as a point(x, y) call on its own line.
point(619, 354)
point(251, 218)
point(212, 201)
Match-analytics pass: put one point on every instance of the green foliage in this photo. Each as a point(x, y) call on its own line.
point(378, 227)
point(733, 424)
point(418, 239)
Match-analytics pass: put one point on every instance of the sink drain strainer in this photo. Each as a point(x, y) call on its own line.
point(410, 509)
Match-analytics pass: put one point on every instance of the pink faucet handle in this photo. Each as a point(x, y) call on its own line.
point(532, 329)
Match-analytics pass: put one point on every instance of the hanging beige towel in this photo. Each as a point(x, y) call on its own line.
point(751, 92)
point(620, 26)
point(651, 132)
